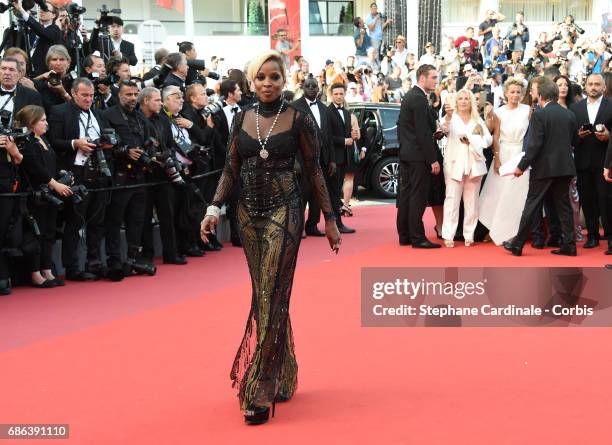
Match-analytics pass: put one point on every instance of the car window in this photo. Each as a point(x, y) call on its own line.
point(389, 117)
point(357, 113)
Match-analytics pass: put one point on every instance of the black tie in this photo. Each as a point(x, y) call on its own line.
point(313, 104)
point(235, 110)
point(340, 108)
point(2, 92)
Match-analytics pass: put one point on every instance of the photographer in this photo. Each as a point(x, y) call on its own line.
point(361, 39)
point(75, 133)
point(195, 111)
point(119, 48)
point(485, 30)
point(165, 168)
point(376, 24)
point(74, 35)
point(129, 204)
point(10, 158)
point(22, 66)
point(518, 34)
point(38, 169)
point(14, 96)
point(47, 34)
point(160, 58)
point(94, 70)
point(190, 203)
point(197, 73)
point(178, 75)
point(54, 85)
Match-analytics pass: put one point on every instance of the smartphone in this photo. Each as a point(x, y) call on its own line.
point(588, 127)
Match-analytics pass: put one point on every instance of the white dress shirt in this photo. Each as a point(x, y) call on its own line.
point(230, 111)
point(593, 109)
point(315, 111)
point(7, 101)
point(88, 129)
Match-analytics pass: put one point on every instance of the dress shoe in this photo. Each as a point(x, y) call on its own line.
point(194, 252)
point(514, 250)
point(210, 247)
point(592, 241)
point(178, 260)
point(47, 284)
point(567, 250)
point(405, 242)
point(58, 282)
point(236, 243)
point(115, 274)
point(5, 287)
point(426, 245)
point(345, 229)
point(314, 232)
point(99, 271)
point(80, 276)
point(553, 242)
point(609, 251)
point(538, 243)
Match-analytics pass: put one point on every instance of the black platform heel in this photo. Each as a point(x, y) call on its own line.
point(257, 415)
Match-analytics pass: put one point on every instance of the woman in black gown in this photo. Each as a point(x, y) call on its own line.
point(263, 145)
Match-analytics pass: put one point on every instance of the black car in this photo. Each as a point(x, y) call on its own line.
point(379, 170)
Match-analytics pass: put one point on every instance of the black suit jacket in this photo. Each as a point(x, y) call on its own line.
point(339, 132)
point(174, 80)
point(608, 161)
point(25, 96)
point(552, 134)
point(64, 128)
point(590, 152)
point(47, 37)
point(152, 73)
point(200, 133)
point(324, 132)
point(126, 48)
point(416, 126)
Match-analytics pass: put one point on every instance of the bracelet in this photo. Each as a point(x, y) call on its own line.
point(213, 211)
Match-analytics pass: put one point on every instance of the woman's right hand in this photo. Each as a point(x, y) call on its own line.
point(333, 235)
point(496, 165)
point(207, 227)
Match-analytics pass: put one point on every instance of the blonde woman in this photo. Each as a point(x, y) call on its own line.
point(503, 197)
point(464, 164)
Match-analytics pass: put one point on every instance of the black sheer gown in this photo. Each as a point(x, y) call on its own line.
point(271, 221)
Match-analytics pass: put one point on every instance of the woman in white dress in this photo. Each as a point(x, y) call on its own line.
point(464, 164)
point(503, 197)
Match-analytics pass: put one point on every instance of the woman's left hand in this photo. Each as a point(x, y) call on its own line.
point(333, 235)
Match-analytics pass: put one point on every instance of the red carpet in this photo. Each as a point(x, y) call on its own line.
point(147, 361)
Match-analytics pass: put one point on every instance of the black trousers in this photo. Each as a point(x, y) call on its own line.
point(559, 188)
point(7, 206)
point(88, 214)
point(554, 225)
point(594, 191)
point(415, 184)
point(128, 205)
point(161, 197)
point(39, 254)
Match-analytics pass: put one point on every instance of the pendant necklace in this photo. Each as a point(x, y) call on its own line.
point(263, 152)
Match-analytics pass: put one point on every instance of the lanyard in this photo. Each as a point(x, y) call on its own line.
point(88, 125)
point(179, 131)
point(127, 121)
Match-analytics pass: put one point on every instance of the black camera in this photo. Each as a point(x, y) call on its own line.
point(212, 108)
point(44, 193)
point(147, 158)
point(107, 137)
point(54, 79)
point(171, 167)
point(27, 5)
point(96, 79)
point(105, 20)
point(158, 80)
point(74, 9)
point(197, 64)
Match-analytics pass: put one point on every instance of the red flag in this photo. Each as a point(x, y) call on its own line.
point(167, 4)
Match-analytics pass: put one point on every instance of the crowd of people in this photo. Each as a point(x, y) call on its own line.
point(88, 149)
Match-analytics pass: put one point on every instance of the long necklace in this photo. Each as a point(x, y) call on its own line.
point(263, 152)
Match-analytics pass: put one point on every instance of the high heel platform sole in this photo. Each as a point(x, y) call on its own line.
point(257, 416)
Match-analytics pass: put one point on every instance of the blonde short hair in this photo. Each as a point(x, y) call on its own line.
point(473, 104)
point(513, 81)
point(256, 63)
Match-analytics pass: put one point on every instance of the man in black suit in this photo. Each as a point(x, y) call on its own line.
point(594, 118)
point(549, 153)
point(118, 47)
point(310, 104)
point(418, 159)
point(72, 128)
point(342, 136)
point(607, 174)
point(45, 34)
point(14, 96)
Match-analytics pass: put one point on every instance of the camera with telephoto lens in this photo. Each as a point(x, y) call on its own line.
point(19, 135)
point(171, 167)
point(74, 9)
point(105, 20)
point(108, 137)
point(158, 80)
point(213, 108)
point(54, 79)
point(197, 64)
point(96, 79)
point(26, 5)
point(45, 194)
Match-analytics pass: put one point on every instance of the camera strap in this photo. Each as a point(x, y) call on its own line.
point(87, 126)
point(127, 121)
point(10, 98)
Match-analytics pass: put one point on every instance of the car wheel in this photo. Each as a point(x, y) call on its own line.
point(385, 177)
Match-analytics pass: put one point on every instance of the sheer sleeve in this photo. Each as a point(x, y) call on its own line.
point(231, 170)
point(310, 150)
